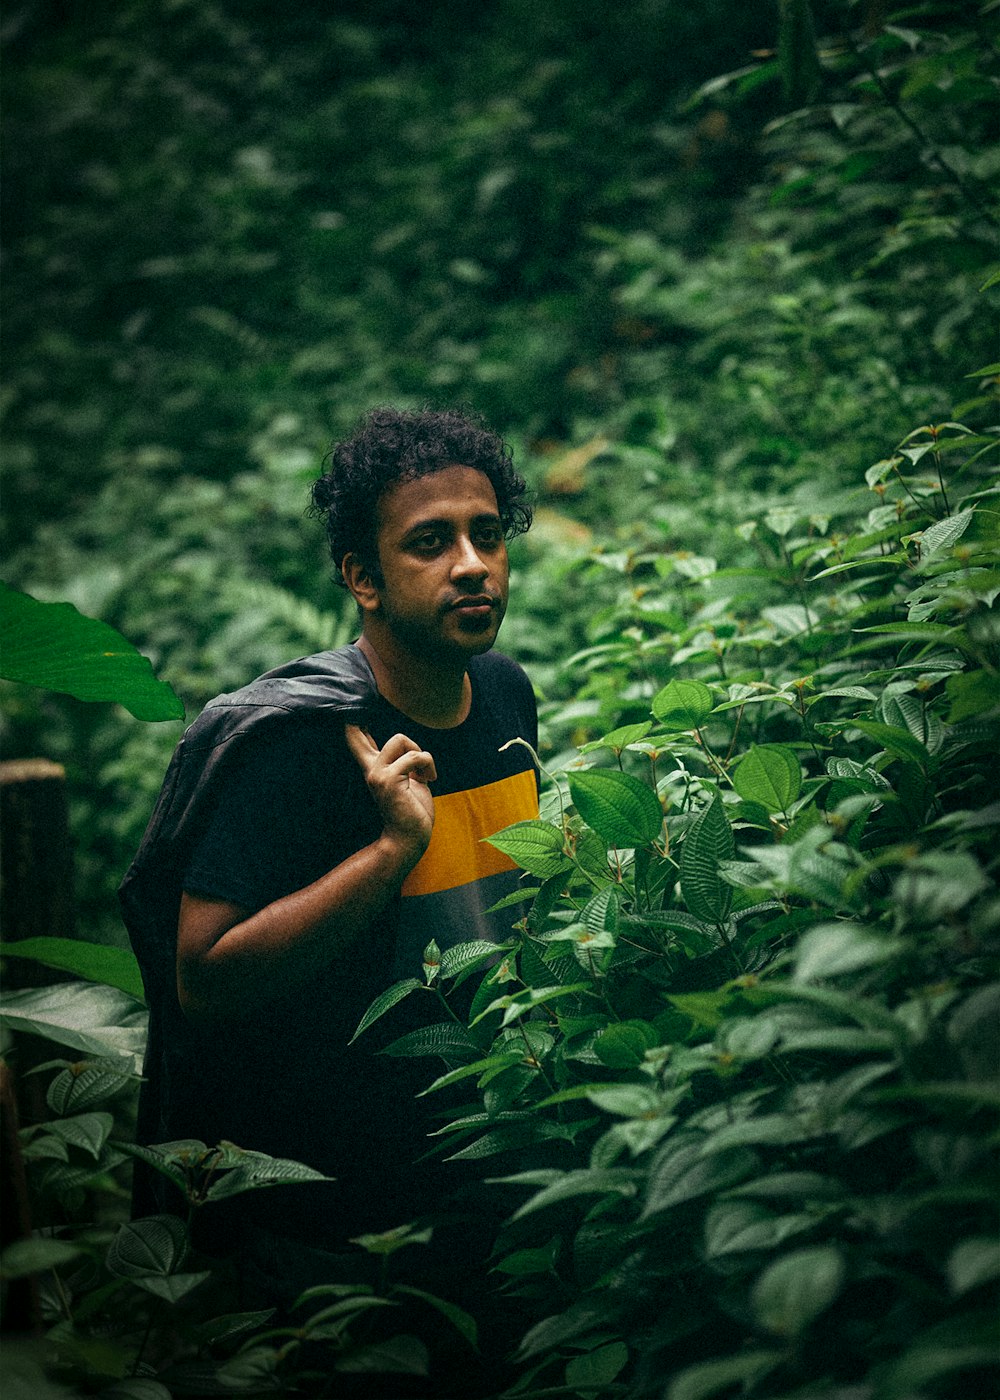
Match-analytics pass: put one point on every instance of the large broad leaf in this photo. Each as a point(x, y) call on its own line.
point(88, 1131)
point(607, 1181)
point(621, 809)
point(682, 705)
point(458, 1317)
point(32, 1256)
point(619, 739)
point(86, 1083)
point(580, 1319)
point(535, 846)
point(769, 774)
point(944, 533)
point(464, 956)
point(446, 1038)
point(402, 1355)
point(737, 1227)
point(681, 1173)
point(97, 962)
point(155, 1245)
point(973, 1262)
point(709, 841)
point(795, 1289)
point(97, 1020)
point(595, 1370)
point(832, 949)
point(506, 1139)
point(53, 645)
point(627, 1100)
point(519, 1003)
point(172, 1287)
point(501, 1061)
point(710, 1377)
point(623, 1044)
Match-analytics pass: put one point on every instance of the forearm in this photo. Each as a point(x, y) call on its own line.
point(229, 966)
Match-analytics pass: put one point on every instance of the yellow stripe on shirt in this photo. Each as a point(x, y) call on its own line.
point(457, 853)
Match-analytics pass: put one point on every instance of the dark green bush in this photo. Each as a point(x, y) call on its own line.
point(743, 1056)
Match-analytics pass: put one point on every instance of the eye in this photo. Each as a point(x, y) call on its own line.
point(489, 535)
point(428, 543)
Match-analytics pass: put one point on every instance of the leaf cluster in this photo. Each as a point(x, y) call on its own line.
point(740, 1060)
point(136, 1311)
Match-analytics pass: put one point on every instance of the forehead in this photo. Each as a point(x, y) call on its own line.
point(453, 493)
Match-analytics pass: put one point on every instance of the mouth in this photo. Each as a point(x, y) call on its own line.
point(479, 605)
point(478, 610)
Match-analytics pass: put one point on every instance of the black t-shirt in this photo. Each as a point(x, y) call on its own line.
point(288, 1083)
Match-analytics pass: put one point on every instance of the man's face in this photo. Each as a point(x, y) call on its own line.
point(443, 589)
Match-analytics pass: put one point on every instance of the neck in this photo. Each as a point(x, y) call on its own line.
point(432, 693)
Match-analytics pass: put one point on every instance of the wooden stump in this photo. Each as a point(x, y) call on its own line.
point(36, 876)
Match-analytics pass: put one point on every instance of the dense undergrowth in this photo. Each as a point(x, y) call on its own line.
point(750, 1028)
point(741, 1057)
point(738, 1071)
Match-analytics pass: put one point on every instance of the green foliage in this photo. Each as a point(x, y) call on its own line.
point(90, 1017)
point(112, 967)
point(134, 1310)
point(715, 293)
point(744, 1065)
point(52, 645)
point(737, 1070)
point(312, 215)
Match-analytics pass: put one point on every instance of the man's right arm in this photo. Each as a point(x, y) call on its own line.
point(232, 962)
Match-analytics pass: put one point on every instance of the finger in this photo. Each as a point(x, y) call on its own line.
point(417, 764)
point(361, 745)
point(398, 745)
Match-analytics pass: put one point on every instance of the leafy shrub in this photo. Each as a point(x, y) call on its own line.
point(742, 1055)
point(134, 1310)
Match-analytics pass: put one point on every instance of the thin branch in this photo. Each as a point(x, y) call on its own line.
point(933, 154)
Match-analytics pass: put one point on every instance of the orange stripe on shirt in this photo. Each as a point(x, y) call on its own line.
point(457, 854)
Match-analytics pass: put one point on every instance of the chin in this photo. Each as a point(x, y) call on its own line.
point(474, 642)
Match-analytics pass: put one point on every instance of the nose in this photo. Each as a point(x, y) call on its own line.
point(468, 563)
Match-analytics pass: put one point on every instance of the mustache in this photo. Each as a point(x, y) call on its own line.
point(460, 599)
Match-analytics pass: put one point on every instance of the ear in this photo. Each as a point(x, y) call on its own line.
point(362, 586)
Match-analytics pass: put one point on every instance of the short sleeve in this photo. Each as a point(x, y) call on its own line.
point(291, 810)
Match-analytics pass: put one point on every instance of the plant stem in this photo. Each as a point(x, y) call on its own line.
point(63, 1299)
point(712, 760)
point(145, 1339)
point(736, 730)
point(940, 476)
point(533, 1058)
point(444, 1002)
point(931, 151)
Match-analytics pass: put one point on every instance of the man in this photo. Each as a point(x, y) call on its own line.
point(319, 827)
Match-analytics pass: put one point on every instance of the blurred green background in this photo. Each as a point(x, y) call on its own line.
point(688, 258)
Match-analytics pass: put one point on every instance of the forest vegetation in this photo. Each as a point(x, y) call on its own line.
point(726, 277)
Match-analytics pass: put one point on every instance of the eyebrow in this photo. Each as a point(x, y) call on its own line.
point(442, 523)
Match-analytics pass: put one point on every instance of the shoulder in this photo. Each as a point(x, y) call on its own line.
point(496, 670)
point(333, 683)
point(504, 693)
point(340, 679)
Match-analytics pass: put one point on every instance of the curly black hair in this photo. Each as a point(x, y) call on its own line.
point(391, 445)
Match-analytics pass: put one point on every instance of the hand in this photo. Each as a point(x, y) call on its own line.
point(397, 777)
